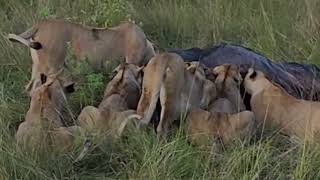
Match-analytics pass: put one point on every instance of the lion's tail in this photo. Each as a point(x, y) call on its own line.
point(155, 94)
point(126, 121)
point(86, 148)
point(25, 37)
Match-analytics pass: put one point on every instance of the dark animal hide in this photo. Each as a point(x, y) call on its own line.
point(300, 80)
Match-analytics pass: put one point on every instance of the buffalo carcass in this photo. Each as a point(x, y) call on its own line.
point(300, 80)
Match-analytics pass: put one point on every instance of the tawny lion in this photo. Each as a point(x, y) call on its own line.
point(43, 126)
point(227, 81)
point(275, 108)
point(166, 78)
point(203, 127)
point(117, 107)
point(48, 40)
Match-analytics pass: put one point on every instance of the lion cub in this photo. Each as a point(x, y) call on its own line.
point(42, 127)
point(203, 126)
point(227, 81)
point(48, 40)
point(121, 96)
point(275, 108)
point(178, 88)
point(223, 120)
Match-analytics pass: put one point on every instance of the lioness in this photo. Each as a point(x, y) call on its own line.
point(208, 89)
point(227, 81)
point(121, 96)
point(203, 126)
point(42, 126)
point(48, 42)
point(273, 107)
point(179, 89)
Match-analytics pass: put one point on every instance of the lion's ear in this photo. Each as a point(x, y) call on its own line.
point(217, 70)
point(192, 69)
point(253, 74)
point(70, 88)
point(43, 78)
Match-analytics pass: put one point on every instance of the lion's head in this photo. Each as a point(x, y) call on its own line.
point(50, 99)
point(209, 92)
point(227, 76)
point(197, 69)
point(127, 83)
point(228, 80)
point(255, 81)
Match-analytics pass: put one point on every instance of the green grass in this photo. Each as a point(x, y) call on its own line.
point(281, 30)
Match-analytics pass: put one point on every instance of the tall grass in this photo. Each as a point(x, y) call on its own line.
point(282, 30)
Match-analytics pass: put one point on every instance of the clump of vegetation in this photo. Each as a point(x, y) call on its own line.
point(281, 30)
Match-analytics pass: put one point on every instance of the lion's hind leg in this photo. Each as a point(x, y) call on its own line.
point(168, 114)
point(89, 118)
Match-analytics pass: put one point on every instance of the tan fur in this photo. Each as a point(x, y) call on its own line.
point(42, 127)
point(166, 78)
point(222, 105)
point(122, 94)
point(275, 108)
point(97, 44)
point(228, 80)
point(209, 89)
point(203, 127)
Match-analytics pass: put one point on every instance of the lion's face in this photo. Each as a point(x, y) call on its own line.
point(49, 92)
point(135, 71)
point(227, 71)
point(127, 83)
point(124, 75)
point(254, 81)
point(227, 76)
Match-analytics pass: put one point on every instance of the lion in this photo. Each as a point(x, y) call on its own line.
point(118, 106)
point(204, 127)
point(179, 89)
point(43, 127)
point(227, 81)
point(222, 105)
point(48, 41)
point(275, 108)
point(209, 89)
